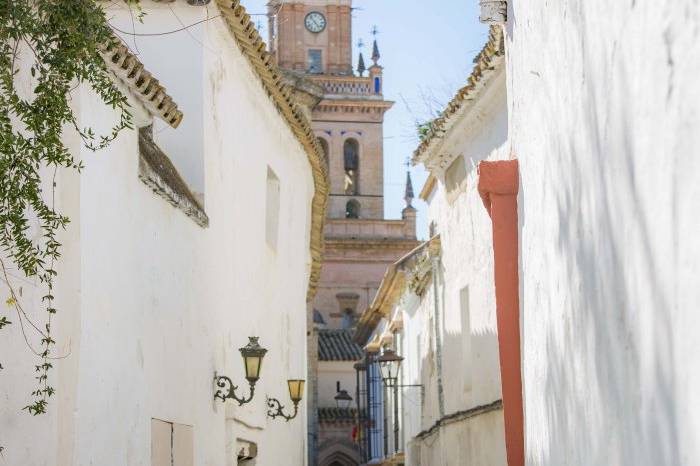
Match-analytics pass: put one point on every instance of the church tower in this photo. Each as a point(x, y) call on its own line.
point(311, 42)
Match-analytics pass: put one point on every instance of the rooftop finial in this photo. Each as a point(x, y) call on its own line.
point(408, 195)
point(361, 65)
point(375, 48)
point(361, 60)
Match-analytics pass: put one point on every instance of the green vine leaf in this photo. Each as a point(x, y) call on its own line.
point(57, 43)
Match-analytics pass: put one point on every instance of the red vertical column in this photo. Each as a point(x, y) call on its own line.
point(498, 187)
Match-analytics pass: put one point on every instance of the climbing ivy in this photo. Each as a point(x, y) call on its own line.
point(47, 49)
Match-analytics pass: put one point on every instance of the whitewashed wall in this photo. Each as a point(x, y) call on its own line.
point(471, 374)
point(151, 304)
point(604, 120)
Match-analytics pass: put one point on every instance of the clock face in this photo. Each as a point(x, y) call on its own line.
point(315, 22)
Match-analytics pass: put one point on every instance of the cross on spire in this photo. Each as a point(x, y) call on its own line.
point(375, 47)
point(408, 194)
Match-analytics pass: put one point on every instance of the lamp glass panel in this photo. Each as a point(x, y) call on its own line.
point(252, 367)
point(296, 389)
point(384, 368)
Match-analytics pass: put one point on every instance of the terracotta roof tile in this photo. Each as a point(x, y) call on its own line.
point(143, 85)
point(337, 345)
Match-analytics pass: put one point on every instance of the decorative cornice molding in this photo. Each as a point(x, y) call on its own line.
point(459, 416)
point(409, 271)
point(254, 49)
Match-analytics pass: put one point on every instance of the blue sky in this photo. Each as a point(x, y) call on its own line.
point(427, 49)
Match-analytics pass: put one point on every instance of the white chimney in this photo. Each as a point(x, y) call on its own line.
point(493, 11)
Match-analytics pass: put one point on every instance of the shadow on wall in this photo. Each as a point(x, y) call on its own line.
point(471, 378)
point(609, 382)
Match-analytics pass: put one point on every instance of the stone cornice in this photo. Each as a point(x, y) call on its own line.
point(412, 271)
point(158, 172)
point(253, 48)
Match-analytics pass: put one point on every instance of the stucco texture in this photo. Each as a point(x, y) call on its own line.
point(151, 304)
point(604, 120)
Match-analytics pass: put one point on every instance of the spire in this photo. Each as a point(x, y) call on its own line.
point(408, 196)
point(375, 47)
point(375, 52)
point(361, 65)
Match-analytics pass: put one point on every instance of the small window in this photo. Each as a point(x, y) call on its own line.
point(315, 61)
point(377, 86)
point(351, 163)
point(348, 318)
point(272, 208)
point(352, 209)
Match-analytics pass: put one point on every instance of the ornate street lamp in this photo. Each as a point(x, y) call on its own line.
point(389, 364)
point(253, 355)
point(343, 399)
point(296, 392)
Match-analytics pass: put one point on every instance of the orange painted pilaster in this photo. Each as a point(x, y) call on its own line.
point(498, 187)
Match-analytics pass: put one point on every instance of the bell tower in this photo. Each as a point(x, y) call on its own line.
point(311, 42)
point(312, 36)
point(312, 39)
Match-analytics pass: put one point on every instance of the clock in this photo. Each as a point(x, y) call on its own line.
point(315, 22)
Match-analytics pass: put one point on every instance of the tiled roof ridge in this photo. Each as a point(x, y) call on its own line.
point(142, 84)
point(490, 55)
point(337, 345)
point(254, 49)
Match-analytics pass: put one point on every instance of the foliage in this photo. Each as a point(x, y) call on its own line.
point(52, 45)
point(423, 129)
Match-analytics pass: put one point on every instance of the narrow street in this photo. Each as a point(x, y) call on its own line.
point(349, 233)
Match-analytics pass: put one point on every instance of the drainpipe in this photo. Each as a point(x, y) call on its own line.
point(434, 260)
point(498, 187)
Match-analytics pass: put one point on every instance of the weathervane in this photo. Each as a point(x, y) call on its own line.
point(374, 31)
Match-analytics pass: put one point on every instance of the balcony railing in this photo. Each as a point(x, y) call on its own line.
point(345, 85)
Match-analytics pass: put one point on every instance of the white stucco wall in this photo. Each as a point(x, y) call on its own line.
point(151, 304)
point(603, 118)
point(470, 364)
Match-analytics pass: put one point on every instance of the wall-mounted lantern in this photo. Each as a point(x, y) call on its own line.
point(342, 398)
point(389, 365)
point(296, 392)
point(253, 355)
